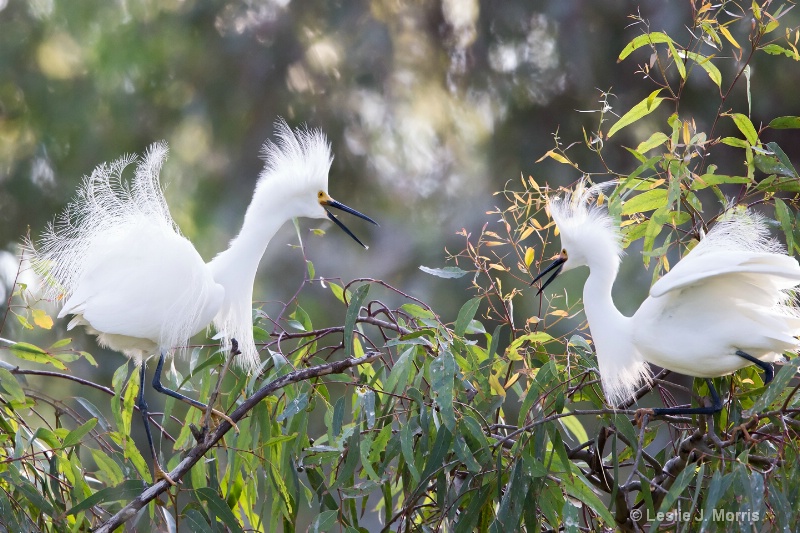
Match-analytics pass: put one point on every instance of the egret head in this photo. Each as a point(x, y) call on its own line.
point(298, 163)
point(589, 236)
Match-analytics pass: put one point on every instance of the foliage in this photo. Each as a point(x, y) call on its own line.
point(482, 421)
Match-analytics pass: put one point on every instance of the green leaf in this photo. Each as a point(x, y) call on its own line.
point(706, 64)
point(325, 521)
point(218, 506)
point(776, 387)
point(646, 201)
point(74, 437)
point(351, 316)
point(709, 180)
point(398, 377)
point(684, 478)
point(735, 142)
point(746, 127)
point(11, 386)
point(784, 123)
point(108, 467)
point(446, 272)
point(574, 426)
point(643, 108)
point(786, 168)
point(127, 490)
point(443, 371)
point(465, 315)
point(786, 219)
point(656, 139)
point(579, 488)
point(678, 60)
point(776, 50)
point(293, 407)
point(642, 40)
point(29, 352)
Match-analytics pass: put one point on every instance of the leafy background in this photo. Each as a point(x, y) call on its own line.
point(431, 107)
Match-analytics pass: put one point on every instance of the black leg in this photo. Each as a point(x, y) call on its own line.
point(142, 404)
point(169, 392)
point(716, 406)
point(178, 396)
point(769, 372)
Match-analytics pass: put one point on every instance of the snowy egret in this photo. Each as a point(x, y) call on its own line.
point(725, 305)
point(120, 264)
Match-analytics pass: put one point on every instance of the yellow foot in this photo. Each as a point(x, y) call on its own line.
point(641, 414)
point(159, 474)
point(226, 418)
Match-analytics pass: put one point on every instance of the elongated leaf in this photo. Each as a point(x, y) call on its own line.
point(655, 140)
point(351, 316)
point(443, 370)
point(109, 468)
point(643, 108)
point(777, 386)
point(686, 476)
point(786, 167)
point(74, 437)
point(446, 272)
point(218, 506)
point(127, 490)
point(29, 352)
point(646, 201)
point(783, 123)
point(11, 386)
point(706, 64)
point(293, 407)
point(465, 315)
point(746, 127)
point(95, 412)
point(708, 180)
point(785, 218)
point(398, 377)
point(579, 488)
point(642, 40)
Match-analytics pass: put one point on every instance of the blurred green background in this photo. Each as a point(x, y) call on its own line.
point(430, 107)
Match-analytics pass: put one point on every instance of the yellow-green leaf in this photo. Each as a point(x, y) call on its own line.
point(724, 31)
point(647, 201)
point(42, 319)
point(494, 383)
point(643, 108)
point(706, 64)
point(746, 127)
point(529, 256)
point(558, 157)
point(642, 40)
point(655, 140)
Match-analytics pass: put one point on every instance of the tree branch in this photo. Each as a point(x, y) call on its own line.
point(197, 453)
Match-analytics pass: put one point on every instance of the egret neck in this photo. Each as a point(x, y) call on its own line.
point(235, 268)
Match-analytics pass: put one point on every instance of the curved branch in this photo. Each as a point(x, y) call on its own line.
point(197, 453)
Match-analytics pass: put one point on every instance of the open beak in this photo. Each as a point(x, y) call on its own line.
point(327, 201)
point(556, 265)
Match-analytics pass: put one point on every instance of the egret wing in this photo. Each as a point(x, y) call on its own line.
point(147, 282)
point(778, 272)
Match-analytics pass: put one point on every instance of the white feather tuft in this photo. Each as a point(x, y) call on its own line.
point(300, 158)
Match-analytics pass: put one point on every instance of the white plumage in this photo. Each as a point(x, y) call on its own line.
point(124, 270)
point(731, 293)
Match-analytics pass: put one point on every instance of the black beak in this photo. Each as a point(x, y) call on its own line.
point(341, 206)
point(556, 265)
